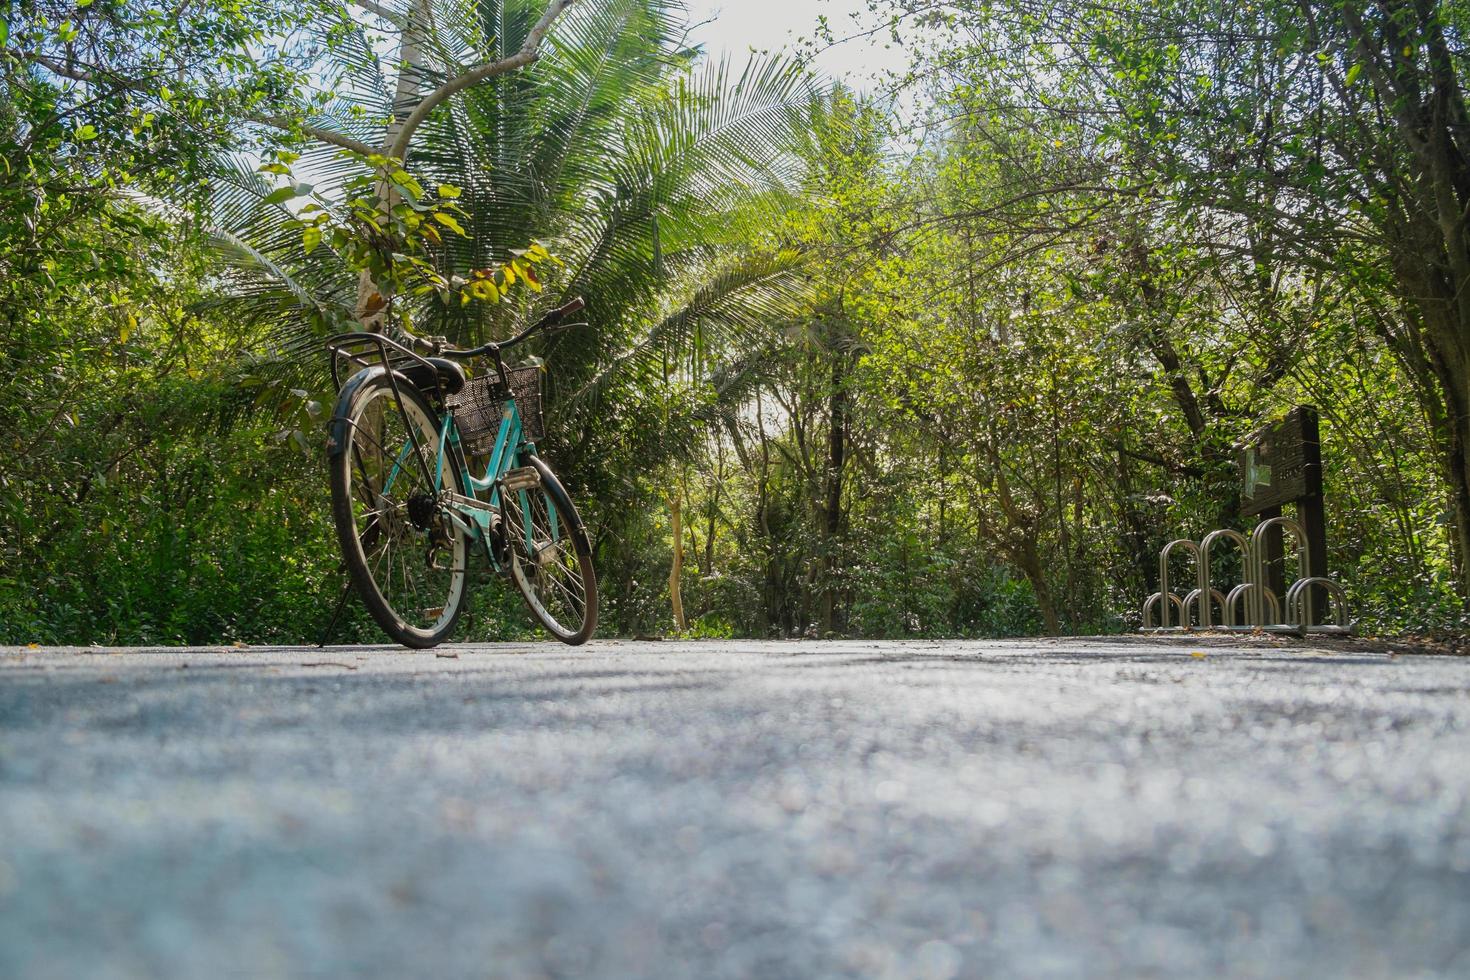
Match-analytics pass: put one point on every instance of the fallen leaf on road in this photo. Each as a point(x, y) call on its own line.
point(329, 663)
point(447, 656)
point(1198, 655)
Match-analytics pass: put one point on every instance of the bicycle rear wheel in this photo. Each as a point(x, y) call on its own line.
point(405, 556)
point(550, 558)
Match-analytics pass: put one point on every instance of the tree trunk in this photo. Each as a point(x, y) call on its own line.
point(771, 597)
point(373, 297)
point(1429, 229)
point(1454, 381)
point(1029, 561)
point(832, 510)
point(676, 597)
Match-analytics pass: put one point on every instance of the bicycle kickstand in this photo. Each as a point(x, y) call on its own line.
point(336, 613)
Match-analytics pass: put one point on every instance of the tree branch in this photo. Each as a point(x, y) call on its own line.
point(317, 133)
point(59, 68)
point(528, 53)
point(380, 10)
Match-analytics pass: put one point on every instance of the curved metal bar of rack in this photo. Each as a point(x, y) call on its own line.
point(1243, 543)
point(1296, 606)
point(1151, 602)
point(1262, 593)
point(1193, 549)
point(1258, 549)
point(1203, 614)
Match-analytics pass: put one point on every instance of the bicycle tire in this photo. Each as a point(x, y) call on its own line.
point(371, 523)
point(539, 564)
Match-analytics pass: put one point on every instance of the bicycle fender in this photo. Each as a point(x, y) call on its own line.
point(337, 428)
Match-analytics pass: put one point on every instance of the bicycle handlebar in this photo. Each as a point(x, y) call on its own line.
point(550, 321)
point(556, 316)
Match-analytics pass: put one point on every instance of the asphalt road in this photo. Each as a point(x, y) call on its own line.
point(1085, 808)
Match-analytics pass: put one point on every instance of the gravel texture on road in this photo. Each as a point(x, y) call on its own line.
point(1021, 808)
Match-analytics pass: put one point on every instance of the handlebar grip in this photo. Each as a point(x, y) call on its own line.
point(562, 312)
point(556, 316)
point(547, 323)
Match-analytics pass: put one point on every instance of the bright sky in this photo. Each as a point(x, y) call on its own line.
point(736, 26)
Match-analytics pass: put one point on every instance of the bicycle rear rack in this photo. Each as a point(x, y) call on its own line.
point(363, 349)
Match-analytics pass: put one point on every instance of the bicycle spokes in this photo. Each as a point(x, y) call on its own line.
point(411, 551)
point(545, 561)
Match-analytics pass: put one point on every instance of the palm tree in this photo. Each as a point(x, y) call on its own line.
point(650, 176)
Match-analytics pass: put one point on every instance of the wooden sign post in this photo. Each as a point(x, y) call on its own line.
point(1281, 464)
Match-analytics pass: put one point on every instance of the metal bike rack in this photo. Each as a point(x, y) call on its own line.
point(1181, 604)
point(1148, 608)
point(1258, 596)
point(1241, 542)
point(1296, 603)
point(1280, 463)
point(1262, 608)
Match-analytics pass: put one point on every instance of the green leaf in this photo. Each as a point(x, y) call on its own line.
point(1353, 73)
point(87, 132)
point(450, 223)
point(280, 194)
point(449, 191)
point(405, 180)
point(311, 237)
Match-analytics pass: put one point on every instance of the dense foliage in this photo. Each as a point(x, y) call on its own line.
point(961, 374)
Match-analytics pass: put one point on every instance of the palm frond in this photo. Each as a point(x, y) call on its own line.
point(653, 181)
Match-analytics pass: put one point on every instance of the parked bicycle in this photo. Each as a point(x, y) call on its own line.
point(409, 510)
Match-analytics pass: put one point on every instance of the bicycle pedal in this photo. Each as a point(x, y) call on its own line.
point(524, 478)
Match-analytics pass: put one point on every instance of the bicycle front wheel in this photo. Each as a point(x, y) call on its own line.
point(550, 558)
point(405, 556)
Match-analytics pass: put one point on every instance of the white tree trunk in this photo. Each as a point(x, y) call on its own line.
point(373, 297)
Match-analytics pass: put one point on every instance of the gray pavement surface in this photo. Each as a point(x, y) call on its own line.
point(993, 809)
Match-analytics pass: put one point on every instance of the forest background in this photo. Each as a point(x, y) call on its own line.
point(953, 357)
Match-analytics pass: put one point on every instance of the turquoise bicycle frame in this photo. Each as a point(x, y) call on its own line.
point(507, 454)
point(511, 451)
